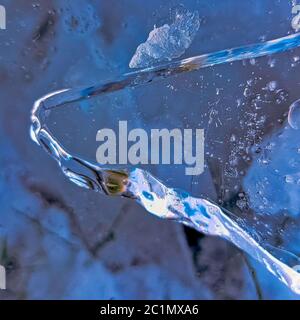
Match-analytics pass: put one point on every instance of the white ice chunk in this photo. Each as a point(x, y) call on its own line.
point(168, 41)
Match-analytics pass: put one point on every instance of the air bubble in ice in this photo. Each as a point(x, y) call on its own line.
point(294, 115)
point(247, 92)
point(252, 61)
point(296, 58)
point(168, 41)
point(272, 63)
point(289, 179)
point(272, 85)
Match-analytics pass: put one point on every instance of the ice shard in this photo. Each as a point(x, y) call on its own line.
point(168, 41)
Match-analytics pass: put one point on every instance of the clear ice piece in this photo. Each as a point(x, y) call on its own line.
point(168, 41)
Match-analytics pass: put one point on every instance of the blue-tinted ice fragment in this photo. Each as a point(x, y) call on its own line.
point(168, 41)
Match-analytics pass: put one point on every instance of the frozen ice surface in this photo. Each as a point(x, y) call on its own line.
point(145, 257)
point(281, 171)
point(79, 18)
point(140, 185)
point(48, 233)
point(168, 41)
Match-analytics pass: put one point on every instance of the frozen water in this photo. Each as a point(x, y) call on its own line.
point(272, 85)
point(153, 195)
point(294, 115)
point(168, 41)
point(65, 57)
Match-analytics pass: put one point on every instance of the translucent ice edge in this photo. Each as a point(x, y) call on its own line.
point(153, 195)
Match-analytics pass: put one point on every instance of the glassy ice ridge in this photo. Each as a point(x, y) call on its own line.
point(168, 41)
